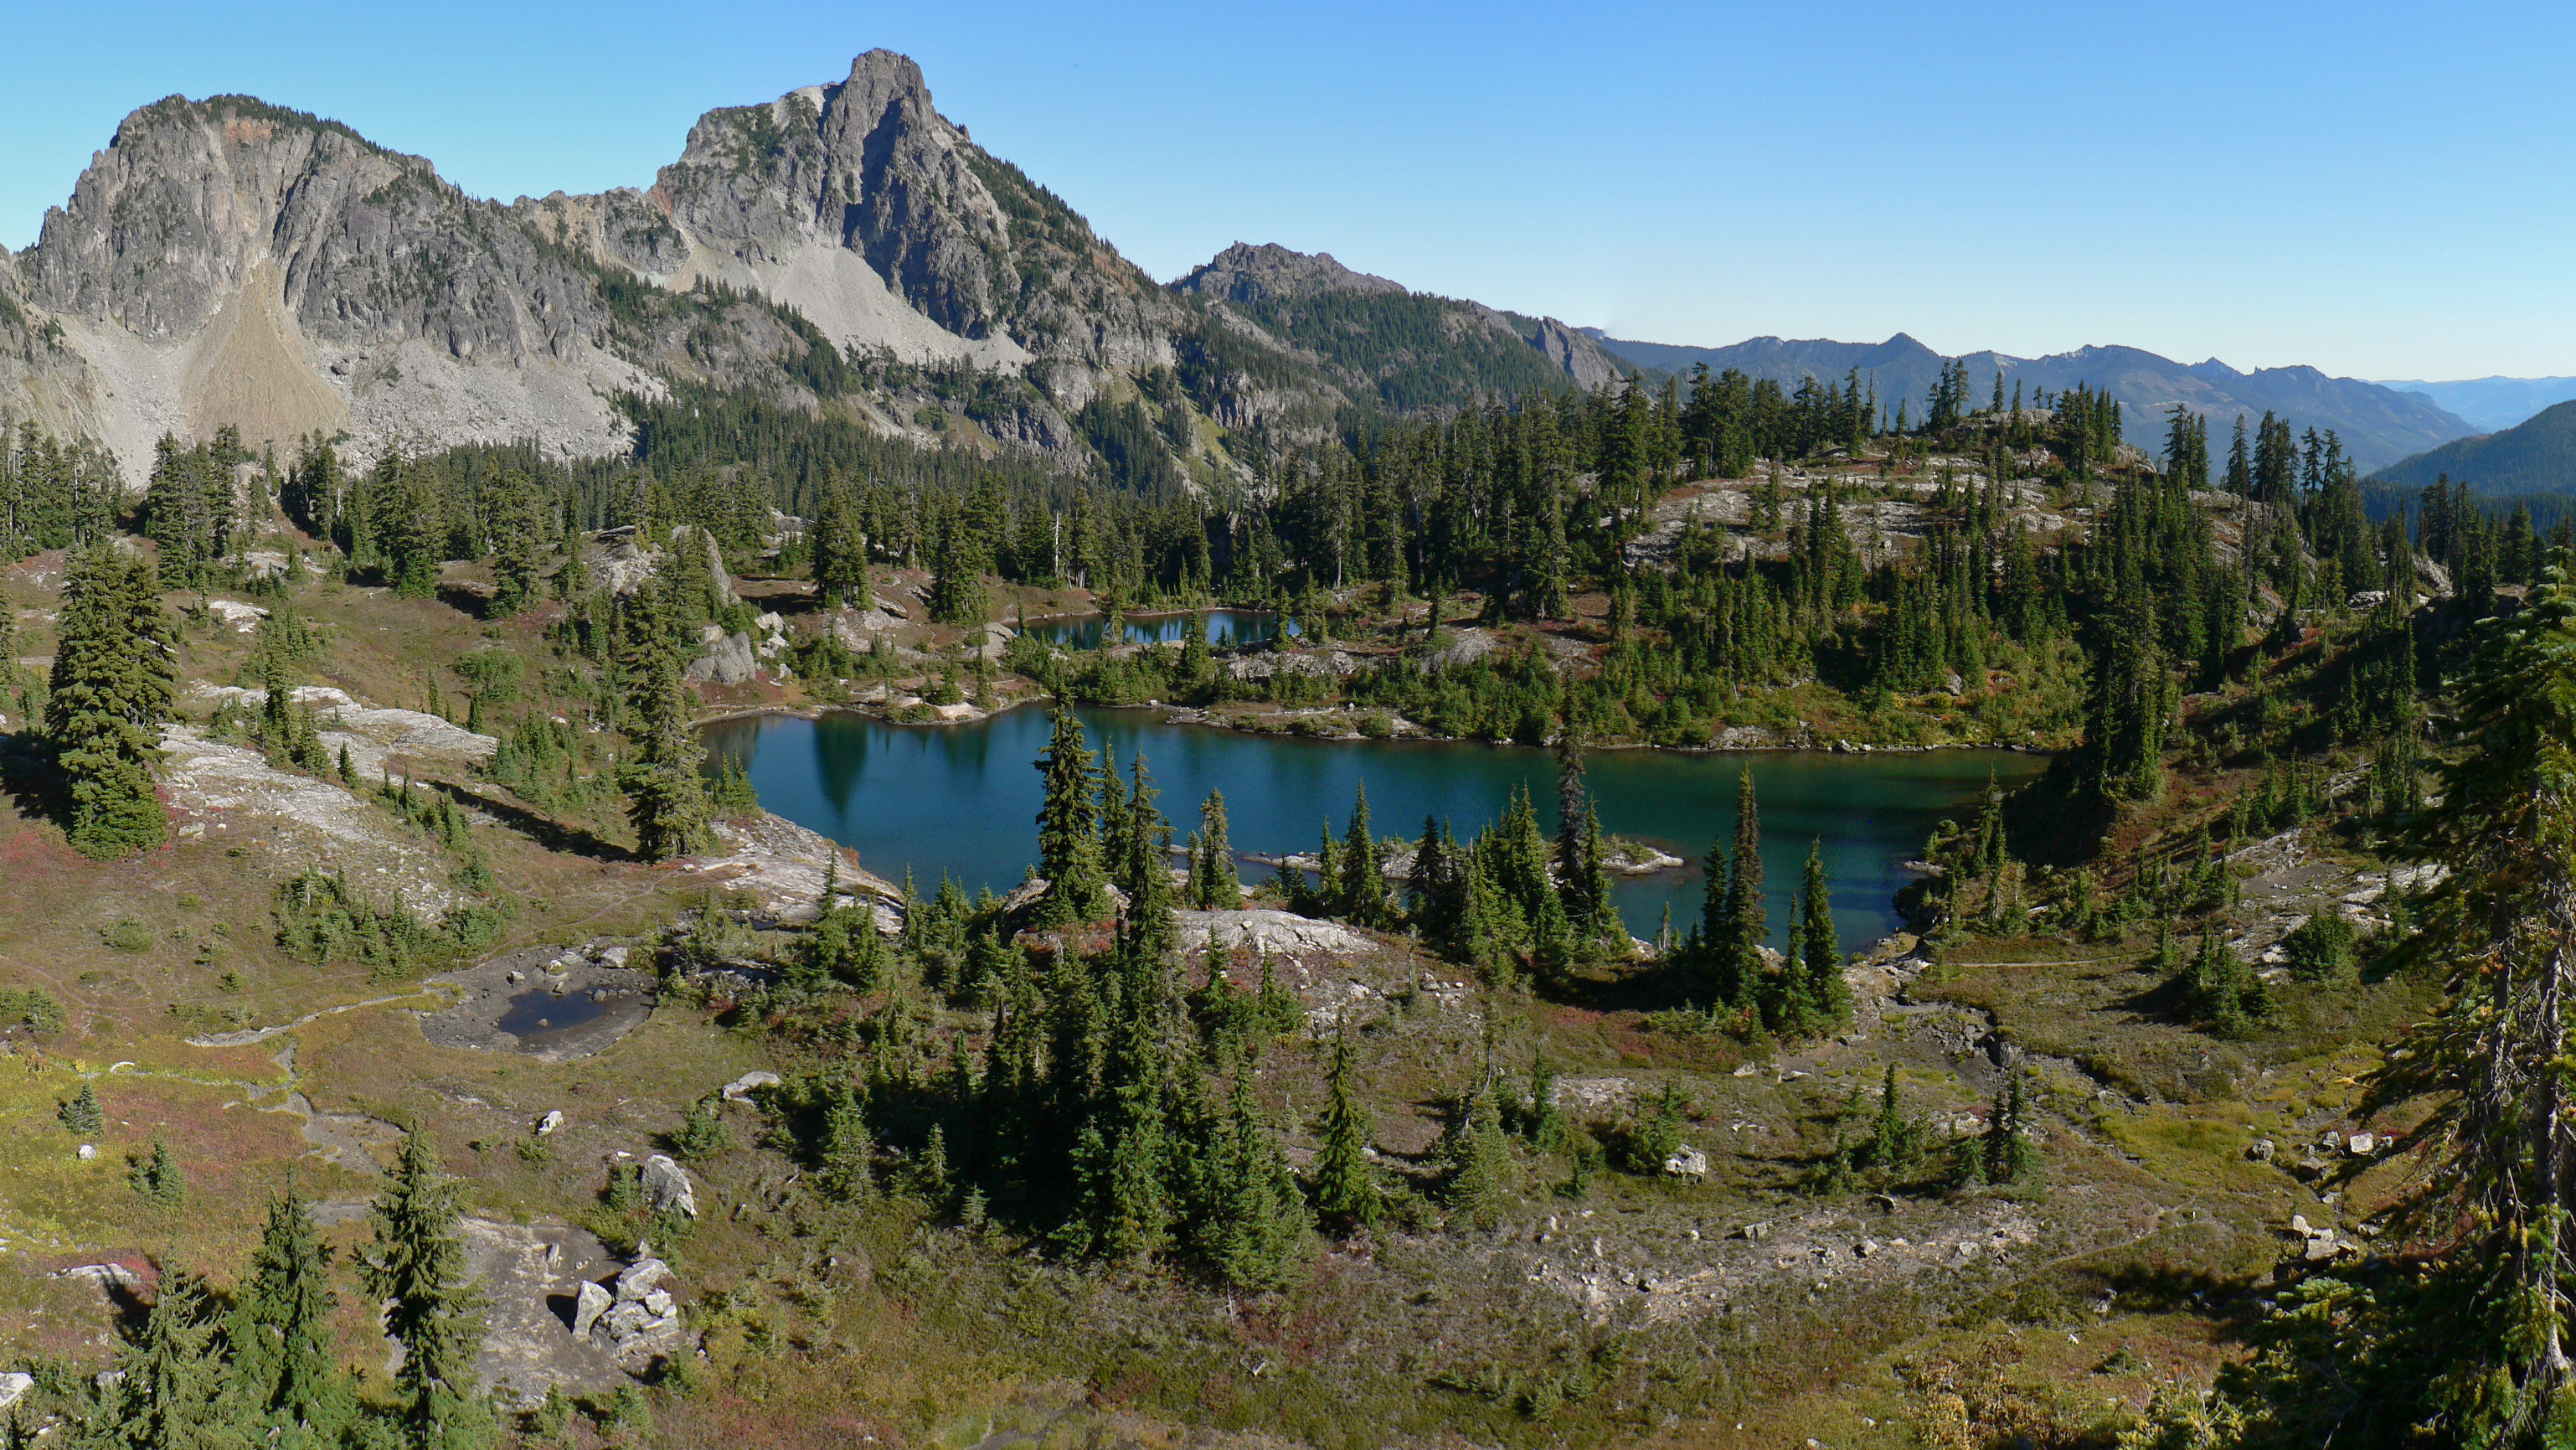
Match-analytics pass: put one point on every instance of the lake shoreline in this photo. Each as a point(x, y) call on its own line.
point(1193, 715)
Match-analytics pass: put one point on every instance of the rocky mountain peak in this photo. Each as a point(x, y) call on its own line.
point(230, 262)
point(1246, 273)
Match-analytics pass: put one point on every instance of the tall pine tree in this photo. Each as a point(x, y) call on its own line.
point(110, 691)
point(416, 1267)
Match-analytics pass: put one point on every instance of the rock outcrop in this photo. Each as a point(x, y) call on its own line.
point(231, 262)
point(634, 1318)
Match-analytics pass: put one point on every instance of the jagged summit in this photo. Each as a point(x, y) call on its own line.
point(229, 262)
point(232, 262)
point(1246, 273)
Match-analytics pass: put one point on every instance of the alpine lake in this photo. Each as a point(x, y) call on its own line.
point(963, 799)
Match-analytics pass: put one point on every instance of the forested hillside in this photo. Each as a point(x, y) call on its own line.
point(2535, 457)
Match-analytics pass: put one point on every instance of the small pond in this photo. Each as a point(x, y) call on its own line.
point(536, 1015)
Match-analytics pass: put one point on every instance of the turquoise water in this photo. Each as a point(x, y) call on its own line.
point(1226, 627)
point(964, 799)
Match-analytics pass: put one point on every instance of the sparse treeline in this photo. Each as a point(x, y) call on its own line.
point(256, 1367)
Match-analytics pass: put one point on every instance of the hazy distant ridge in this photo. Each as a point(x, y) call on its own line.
point(2491, 404)
point(2379, 425)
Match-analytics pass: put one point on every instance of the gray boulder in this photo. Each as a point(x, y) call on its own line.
point(592, 1302)
point(667, 1185)
point(730, 660)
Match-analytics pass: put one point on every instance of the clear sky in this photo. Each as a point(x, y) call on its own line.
point(2379, 190)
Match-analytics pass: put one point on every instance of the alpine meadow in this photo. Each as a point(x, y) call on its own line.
point(794, 807)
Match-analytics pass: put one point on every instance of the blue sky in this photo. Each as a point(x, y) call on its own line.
point(2376, 190)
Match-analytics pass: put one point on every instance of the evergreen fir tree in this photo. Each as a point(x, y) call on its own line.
point(1601, 921)
point(280, 1329)
point(109, 693)
point(1213, 884)
point(1068, 827)
point(1260, 1221)
point(1346, 1188)
point(1746, 920)
point(1821, 951)
point(81, 1116)
point(1479, 1156)
point(156, 1178)
point(1362, 896)
point(2009, 1154)
point(666, 796)
point(416, 1267)
point(170, 1389)
point(1895, 1140)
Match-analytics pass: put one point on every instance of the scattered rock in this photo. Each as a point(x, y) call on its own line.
point(592, 1302)
point(106, 1276)
point(14, 1387)
point(1688, 1163)
point(553, 1119)
point(740, 1089)
point(2361, 1145)
point(88, 1151)
point(638, 1321)
point(642, 1277)
point(667, 1185)
point(2260, 1150)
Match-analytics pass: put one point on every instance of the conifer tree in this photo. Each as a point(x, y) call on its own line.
point(280, 1329)
point(169, 1394)
point(1213, 884)
point(1345, 1186)
point(1259, 1221)
point(840, 547)
point(1479, 1156)
point(1360, 893)
point(1145, 876)
point(666, 795)
point(157, 1179)
point(1746, 913)
point(1895, 1140)
point(1821, 955)
point(416, 1267)
point(1571, 802)
point(843, 1152)
point(1601, 921)
point(517, 539)
point(81, 1116)
point(110, 691)
point(2009, 1155)
point(1068, 827)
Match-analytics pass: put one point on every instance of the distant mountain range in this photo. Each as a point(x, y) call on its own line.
point(2492, 404)
point(231, 263)
point(2378, 425)
point(843, 247)
point(2536, 456)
